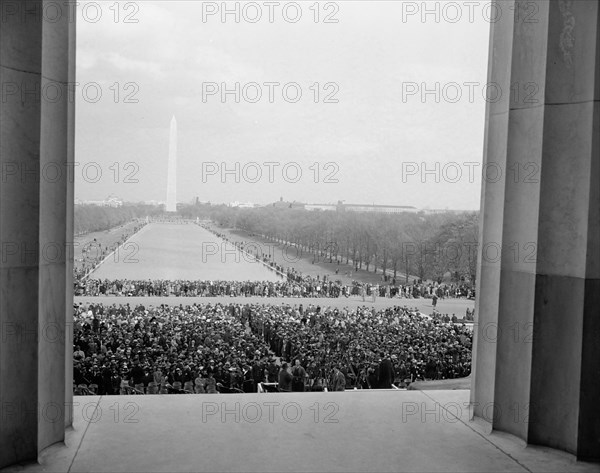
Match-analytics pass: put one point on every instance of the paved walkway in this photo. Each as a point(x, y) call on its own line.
point(384, 431)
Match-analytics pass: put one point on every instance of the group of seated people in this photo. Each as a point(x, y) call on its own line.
point(209, 348)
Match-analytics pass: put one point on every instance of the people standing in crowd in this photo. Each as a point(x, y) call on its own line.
point(386, 373)
point(285, 378)
point(140, 345)
point(338, 381)
point(299, 374)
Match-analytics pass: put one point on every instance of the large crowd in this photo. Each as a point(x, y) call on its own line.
point(389, 287)
point(295, 285)
point(93, 253)
point(209, 348)
point(292, 283)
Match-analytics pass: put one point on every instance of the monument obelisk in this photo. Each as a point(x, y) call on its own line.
point(172, 169)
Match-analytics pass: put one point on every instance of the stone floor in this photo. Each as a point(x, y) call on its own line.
point(352, 431)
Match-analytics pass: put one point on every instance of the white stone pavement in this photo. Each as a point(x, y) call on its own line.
point(412, 431)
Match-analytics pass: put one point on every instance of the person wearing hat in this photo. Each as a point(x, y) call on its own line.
point(299, 377)
point(200, 382)
point(272, 369)
point(258, 369)
point(338, 382)
point(78, 354)
point(177, 376)
point(136, 375)
point(386, 373)
point(285, 378)
point(211, 383)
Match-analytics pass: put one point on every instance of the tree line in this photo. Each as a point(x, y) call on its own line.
point(93, 218)
point(426, 246)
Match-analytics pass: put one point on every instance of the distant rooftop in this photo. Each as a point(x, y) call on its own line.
point(381, 206)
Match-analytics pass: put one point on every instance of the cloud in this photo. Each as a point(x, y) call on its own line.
point(169, 52)
point(140, 66)
point(86, 59)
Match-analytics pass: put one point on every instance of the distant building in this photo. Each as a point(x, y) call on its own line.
point(242, 205)
point(373, 208)
point(110, 201)
point(444, 211)
point(113, 201)
point(197, 201)
point(321, 207)
point(340, 206)
point(282, 204)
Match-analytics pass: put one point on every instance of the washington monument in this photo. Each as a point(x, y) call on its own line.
point(172, 169)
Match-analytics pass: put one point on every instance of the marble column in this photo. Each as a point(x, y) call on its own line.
point(34, 198)
point(55, 246)
point(69, 228)
point(20, 113)
point(537, 356)
point(491, 223)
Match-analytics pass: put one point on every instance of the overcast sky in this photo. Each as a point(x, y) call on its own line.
point(378, 130)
